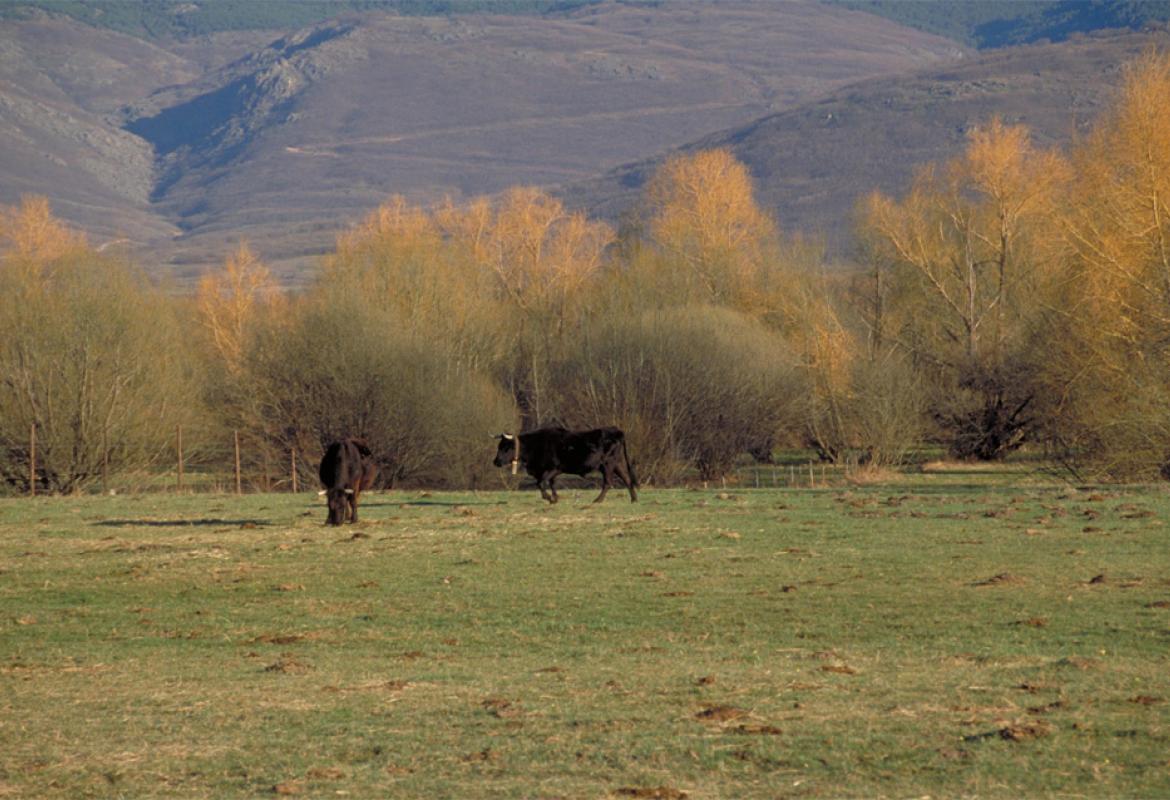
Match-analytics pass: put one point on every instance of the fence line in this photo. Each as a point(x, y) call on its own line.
point(236, 437)
point(32, 460)
point(179, 448)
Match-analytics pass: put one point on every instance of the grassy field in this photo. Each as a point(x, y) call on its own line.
point(943, 639)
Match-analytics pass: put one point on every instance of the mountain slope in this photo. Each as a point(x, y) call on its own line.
point(290, 142)
point(811, 164)
point(62, 84)
point(1005, 23)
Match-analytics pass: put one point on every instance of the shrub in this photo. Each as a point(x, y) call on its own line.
point(694, 386)
point(93, 357)
point(351, 371)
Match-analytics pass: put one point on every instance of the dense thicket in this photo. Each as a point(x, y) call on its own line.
point(92, 362)
point(1013, 295)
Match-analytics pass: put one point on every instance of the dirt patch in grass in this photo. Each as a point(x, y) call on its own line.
point(651, 792)
point(721, 714)
point(288, 665)
point(758, 730)
point(1025, 731)
point(1001, 579)
point(481, 756)
point(501, 708)
point(277, 638)
point(371, 686)
point(1146, 700)
point(1078, 662)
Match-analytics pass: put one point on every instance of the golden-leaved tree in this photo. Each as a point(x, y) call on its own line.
point(232, 305)
point(975, 248)
point(402, 260)
point(1112, 371)
point(706, 239)
point(540, 260)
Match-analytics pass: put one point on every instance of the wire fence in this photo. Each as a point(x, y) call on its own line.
point(240, 463)
point(236, 464)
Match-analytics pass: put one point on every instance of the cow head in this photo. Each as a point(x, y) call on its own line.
point(506, 451)
point(338, 501)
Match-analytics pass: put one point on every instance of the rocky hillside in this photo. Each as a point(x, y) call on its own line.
point(186, 146)
point(812, 163)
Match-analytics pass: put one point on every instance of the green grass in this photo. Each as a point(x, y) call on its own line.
point(943, 638)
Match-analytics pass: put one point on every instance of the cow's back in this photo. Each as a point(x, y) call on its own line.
point(342, 466)
point(329, 471)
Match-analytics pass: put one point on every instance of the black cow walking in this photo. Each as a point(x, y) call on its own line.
point(548, 452)
point(346, 470)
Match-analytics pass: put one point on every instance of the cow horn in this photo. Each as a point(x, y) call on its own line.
point(507, 436)
point(320, 492)
point(349, 491)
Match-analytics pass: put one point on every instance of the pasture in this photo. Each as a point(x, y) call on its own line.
point(943, 639)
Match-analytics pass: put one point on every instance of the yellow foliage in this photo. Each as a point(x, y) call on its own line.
point(1121, 224)
point(539, 254)
point(31, 237)
point(704, 217)
point(979, 236)
point(230, 302)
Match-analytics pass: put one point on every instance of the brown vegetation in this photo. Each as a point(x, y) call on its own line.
point(1014, 294)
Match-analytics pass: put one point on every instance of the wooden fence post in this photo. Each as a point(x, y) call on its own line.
point(32, 460)
point(294, 469)
point(236, 436)
point(179, 448)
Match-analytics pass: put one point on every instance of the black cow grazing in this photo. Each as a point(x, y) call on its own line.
point(548, 452)
point(346, 470)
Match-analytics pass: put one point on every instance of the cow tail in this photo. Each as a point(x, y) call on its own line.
point(629, 464)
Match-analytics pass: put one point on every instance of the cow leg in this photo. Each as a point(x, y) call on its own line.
point(620, 471)
point(604, 483)
point(548, 486)
point(543, 482)
point(353, 503)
